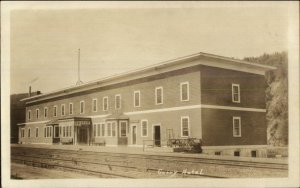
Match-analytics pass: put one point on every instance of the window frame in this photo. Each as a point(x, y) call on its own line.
point(62, 109)
point(233, 94)
point(113, 128)
point(188, 91)
point(162, 95)
point(103, 128)
point(46, 112)
point(95, 105)
point(36, 132)
point(37, 115)
point(83, 106)
point(29, 133)
point(107, 101)
point(71, 104)
point(118, 95)
point(55, 111)
point(29, 115)
point(134, 98)
point(22, 132)
point(120, 135)
point(189, 132)
point(144, 120)
point(233, 126)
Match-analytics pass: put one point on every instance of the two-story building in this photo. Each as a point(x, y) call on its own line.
point(218, 99)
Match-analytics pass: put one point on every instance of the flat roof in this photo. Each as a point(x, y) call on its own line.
point(86, 86)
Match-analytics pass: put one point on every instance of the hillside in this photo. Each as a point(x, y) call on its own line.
point(276, 96)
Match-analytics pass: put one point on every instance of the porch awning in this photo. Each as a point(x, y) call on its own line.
point(52, 122)
point(117, 116)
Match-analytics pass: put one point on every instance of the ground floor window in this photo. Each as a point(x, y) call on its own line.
point(123, 129)
point(113, 128)
point(98, 129)
point(144, 126)
point(48, 132)
point(185, 126)
point(94, 130)
point(36, 132)
point(66, 131)
point(22, 133)
point(29, 133)
point(237, 127)
point(103, 129)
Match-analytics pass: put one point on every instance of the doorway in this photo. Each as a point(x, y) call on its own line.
point(82, 135)
point(156, 135)
point(134, 134)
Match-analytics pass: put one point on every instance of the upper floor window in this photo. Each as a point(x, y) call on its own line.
point(118, 101)
point(159, 95)
point(136, 98)
point(185, 126)
point(236, 93)
point(71, 108)
point(37, 113)
point(184, 91)
point(144, 127)
point(94, 105)
point(105, 103)
point(45, 112)
point(29, 114)
point(55, 111)
point(81, 107)
point(237, 127)
point(63, 109)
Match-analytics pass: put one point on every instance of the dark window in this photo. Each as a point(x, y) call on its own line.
point(123, 128)
point(237, 153)
point(217, 153)
point(253, 153)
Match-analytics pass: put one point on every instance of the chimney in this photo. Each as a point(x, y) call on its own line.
point(29, 91)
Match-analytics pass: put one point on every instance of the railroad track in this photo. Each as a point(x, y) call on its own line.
point(129, 162)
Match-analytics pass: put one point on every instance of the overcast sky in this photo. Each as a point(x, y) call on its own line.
point(44, 43)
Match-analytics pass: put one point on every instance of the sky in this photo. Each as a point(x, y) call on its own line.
point(45, 43)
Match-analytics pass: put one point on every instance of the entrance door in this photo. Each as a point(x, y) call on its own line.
point(133, 134)
point(82, 135)
point(156, 135)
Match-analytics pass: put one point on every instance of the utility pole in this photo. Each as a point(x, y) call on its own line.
point(79, 82)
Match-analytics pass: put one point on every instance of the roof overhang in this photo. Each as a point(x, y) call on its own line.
point(176, 64)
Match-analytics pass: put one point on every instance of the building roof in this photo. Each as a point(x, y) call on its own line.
point(175, 64)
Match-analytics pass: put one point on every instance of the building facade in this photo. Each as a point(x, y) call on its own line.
point(218, 99)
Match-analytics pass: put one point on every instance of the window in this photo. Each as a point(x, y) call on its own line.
point(94, 130)
point(22, 133)
point(48, 132)
point(113, 128)
point(37, 113)
point(236, 93)
point(237, 126)
point(55, 111)
point(56, 132)
point(184, 91)
point(63, 109)
point(109, 129)
point(253, 153)
point(118, 101)
point(217, 153)
point(98, 129)
point(71, 108)
point(105, 103)
point(29, 114)
point(29, 133)
point(236, 153)
point(123, 129)
point(159, 96)
point(103, 129)
point(45, 112)
point(94, 105)
point(185, 127)
point(144, 125)
point(60, 134)
point(36, 132)
point(81, 107)
point(136, 98)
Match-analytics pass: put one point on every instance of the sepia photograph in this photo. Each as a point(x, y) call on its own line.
point(150, 94)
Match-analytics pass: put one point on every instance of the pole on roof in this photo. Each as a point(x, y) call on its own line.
point(79, 81)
